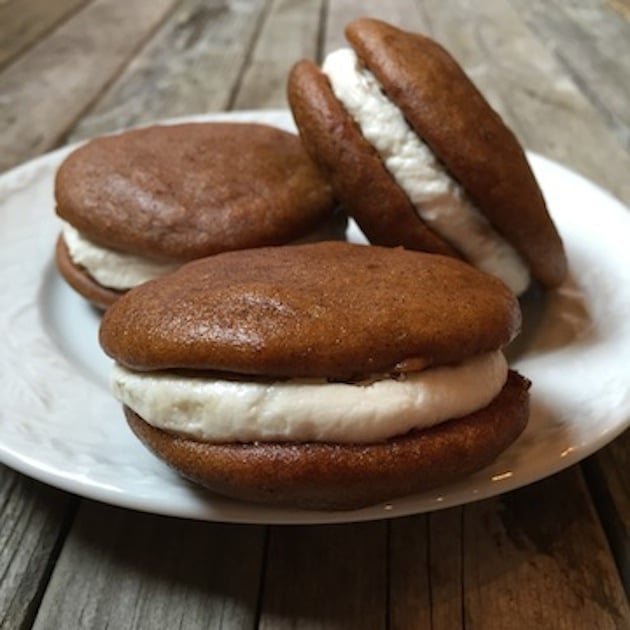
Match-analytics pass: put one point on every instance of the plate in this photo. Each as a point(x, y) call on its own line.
point(59, 424)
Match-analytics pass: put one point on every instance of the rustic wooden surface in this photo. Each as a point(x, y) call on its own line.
point(552, 555)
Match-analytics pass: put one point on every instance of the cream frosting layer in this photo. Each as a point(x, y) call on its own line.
point(216, 410)
point(122, 271)
point(110, 268)
point(439, 200)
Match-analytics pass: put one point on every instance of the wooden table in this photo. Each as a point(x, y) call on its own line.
point(552, 555)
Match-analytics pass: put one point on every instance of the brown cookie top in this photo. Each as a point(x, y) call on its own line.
point(186, 191)
point(346, 476)
point(448, 112)
point(361, 182)
point(328, 309)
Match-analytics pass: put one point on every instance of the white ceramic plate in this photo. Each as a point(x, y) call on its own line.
point(59, 424)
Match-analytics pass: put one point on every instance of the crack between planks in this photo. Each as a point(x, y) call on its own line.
point(53, 26)
point(322, 32)
point(428, 564)
point(8, 488)
point(63, 136)
point(8, 561)
point(388, 575)
point(236, 88)
point(462, 587)
point(617, 127)
point(603, 505)
point(25, 512)
point(262, 578)
point(64, 529)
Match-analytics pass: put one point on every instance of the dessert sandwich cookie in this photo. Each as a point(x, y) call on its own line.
point(420, 159)
point(322, 376)
point(141, 203)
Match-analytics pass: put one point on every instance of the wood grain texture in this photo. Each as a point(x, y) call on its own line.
point(529, 88)
point(608, 477)
point(425, 571)
point(190, 66)
point(331, 576)
point(47, 88)
point(446, 558)
point(32, 526)
point(121, 569)
point(410, 577)
point(538, 558)
point(592, 42)
point(23, 22)
point(290, 32)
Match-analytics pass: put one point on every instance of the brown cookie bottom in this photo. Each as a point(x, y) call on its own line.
point(330, 476)
point(81, 281)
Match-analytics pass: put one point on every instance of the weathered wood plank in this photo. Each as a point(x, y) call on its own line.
point(446, 555)
point(121, 569)
point(608, 477)
point(538, 558)
point(191, 66)
point(425, 571)
point(46, 89)
point(332, 576)
point(409, 574)
point(526, 84)
point(33, 523)
point(289, 33)
point(534, 557)
point(23, 22)
point(592, 43)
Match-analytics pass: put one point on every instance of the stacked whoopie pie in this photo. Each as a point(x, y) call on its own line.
point(419, 158)
point(327, 375)
point(141, 203)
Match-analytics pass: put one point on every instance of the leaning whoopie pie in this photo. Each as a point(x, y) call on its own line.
point(141, 203)
point(420, 159)
point(327, 375)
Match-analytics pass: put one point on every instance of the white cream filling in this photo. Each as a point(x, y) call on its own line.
point(122, 271)
point(116, 270)
point(439, 200)
point(216, 410)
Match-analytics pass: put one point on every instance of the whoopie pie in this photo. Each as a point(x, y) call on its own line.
point(419, 158)
point(139, 204)
point(322, 376)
